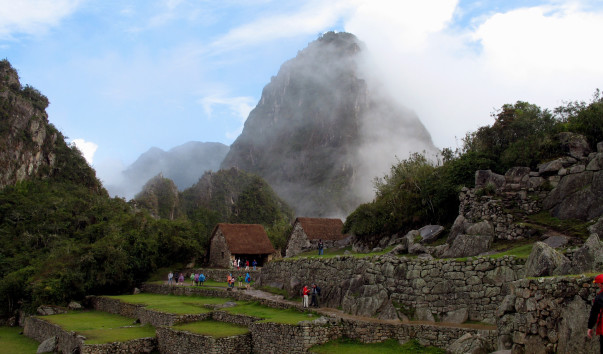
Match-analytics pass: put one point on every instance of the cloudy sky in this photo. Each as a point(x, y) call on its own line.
point(123, 76)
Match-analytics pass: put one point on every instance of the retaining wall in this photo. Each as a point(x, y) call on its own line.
point(173, 341)
point(372, 286)
point(547, 315)
point(40, 330)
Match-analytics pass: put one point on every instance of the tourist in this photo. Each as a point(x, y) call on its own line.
point(170, 277)
point(596, 313)
point(228, 280)
point(305, 293)
point(202, 278)
point(240, 280)
point(315, 292)
point(196, 281)
point(192, 278)
point(238, 263)
point(247, 281)
point(320, 247)
point(246, 264)
point(181, 279)
point(254, 264)
point(232, 282)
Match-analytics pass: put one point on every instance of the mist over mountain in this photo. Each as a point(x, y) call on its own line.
point(322, 130)
point(183, 164)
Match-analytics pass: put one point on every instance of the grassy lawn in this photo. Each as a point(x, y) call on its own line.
point(389, 346)
point(268, 314)
point(101, 327)
point(172, 303)
point(13, 342)
point(213, 328)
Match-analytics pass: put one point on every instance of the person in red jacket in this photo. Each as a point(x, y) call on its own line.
point(596, 313)
point(305, 292)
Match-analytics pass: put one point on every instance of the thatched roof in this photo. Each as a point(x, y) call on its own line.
point(320, 228)
point(245, 238)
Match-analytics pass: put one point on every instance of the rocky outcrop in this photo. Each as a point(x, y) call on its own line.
point(468, 246)
point(544, 260)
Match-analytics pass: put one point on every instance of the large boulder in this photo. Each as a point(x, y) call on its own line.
point(574, 144)
point(424, 314)
point(49, 345)
point(468, 246)
point(589, 257)
point(544, 260)
point(485, 177)
point(597, 227)
point(430, 233)
point(456, 316)
point(459, 226)
point(470, 344)
point(553, 167)
point(481, 228)
point(572, 329)
point(577, 196)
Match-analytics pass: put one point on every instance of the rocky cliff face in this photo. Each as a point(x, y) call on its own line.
point(319, 135)
point(31, 147)
point(160, 196)
point(25, 141)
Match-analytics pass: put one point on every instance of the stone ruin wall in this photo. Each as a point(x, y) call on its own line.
point(386, 286)
point(569, 187)
point(547, 315)
point(173, 341)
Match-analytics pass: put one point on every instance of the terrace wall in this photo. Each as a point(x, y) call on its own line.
point(173, 341)
point(40, 330)
point(373, 286)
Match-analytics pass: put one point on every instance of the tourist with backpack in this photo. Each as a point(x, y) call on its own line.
point(315, 293)
point(202, 278)
point(247, 281)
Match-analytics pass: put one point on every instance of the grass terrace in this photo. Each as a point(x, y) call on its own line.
point(269, 314)
point(334, 252)
point(174, 304)
point(13, 342)
point(212, 328)
point(101, 327)
point(389, 346)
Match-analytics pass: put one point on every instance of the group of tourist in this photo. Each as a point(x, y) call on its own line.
point(237, 263)
point(196, 279)
point(230, 280)
point(314, 291)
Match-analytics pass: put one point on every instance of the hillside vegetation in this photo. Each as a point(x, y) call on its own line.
point(419, 192)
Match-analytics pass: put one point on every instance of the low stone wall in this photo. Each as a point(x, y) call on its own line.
point(426, 334)
point(238, 295)
point(388, 287)
point(40, 330)
point(281, 338)
point(221, 274)
point(141, 345)
point(242, 320)
point(172, 341)
point(547, 315)
point(146, 316)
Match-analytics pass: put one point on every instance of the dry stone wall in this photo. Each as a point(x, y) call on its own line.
point(547, 315)
point(173, 341)
point(389, 287)
point(40, 330)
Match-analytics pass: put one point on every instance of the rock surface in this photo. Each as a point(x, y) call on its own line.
point(543, 260)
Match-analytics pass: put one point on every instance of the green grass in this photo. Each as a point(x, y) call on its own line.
point(276, 291)
point(522, 251)
point(334, 252)
point(389, 346)
point(101, 327)
point(213, 328)
point(13, 342)
point(268, 314)
point(569, 227)
point(172, 303)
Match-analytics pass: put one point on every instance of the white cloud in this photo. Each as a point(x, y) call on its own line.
point(455, 77)
point(239, 106)
point(32, 16)
point(87, 148)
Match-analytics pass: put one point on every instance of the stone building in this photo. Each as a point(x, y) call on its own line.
point(240, 241)
point(308, 231)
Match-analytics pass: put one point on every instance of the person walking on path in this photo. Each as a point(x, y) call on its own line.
point(320, 247)
point(202, 278)
point(240, 280)
point(192, 277)
point(596, 313)
point(247, 264)
point(254, 264)
point(181, 279)
point(305, 293)
point(247, 281)
point(170, 277)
